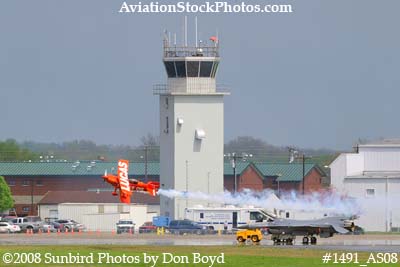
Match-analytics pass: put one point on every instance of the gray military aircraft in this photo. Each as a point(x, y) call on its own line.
point(286, 230)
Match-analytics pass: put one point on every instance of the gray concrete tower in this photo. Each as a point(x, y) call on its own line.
point(191, 125)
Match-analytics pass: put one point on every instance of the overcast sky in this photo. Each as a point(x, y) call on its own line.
point(322, 76)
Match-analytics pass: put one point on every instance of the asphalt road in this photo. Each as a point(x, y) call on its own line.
point(372, 243)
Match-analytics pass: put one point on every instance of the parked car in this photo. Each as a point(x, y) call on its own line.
point(6, 227)
point(31, 223)
point(125, 226)
point(68, 225)
point(148, 227)
point(186, 227)
point(50, 226)
point(8, 218)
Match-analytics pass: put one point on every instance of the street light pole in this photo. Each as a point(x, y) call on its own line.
point(295, 154)
point(304, 170)
point(145, 162)
point(32, 180)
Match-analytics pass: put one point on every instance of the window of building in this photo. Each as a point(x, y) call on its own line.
point(39, 183)
point(11, 183)
point(205, 68)
point(192, 68)
point(180, 68)
point(214, 71)
point(370, 192)
point(170, 68)
point(287, 214)
point(201, 215)
point(26, 209)
point(26, 183)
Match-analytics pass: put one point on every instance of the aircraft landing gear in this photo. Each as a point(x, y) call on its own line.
point(313, 240)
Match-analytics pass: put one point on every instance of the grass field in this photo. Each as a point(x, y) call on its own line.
point(245, 256)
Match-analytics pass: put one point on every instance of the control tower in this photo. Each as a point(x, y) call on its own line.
point(191, 125)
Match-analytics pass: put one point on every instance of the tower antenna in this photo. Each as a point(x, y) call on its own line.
point(195, 22)
point(185, 27)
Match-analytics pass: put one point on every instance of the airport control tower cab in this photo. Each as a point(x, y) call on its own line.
point(191, 124)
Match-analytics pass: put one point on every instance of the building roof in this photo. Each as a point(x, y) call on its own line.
point(57, 197)
point(240, 167)
point(285, 171)
point(394, 142)
point(375, 175)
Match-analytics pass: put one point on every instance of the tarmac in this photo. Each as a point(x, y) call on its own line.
point(369, 243)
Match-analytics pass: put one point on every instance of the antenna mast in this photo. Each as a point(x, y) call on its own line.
point(195, 22)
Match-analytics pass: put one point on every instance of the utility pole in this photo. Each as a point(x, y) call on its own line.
point(234, 157)
point(294, 154)
point(32, 181)
point(145, 162)
point(187, 181)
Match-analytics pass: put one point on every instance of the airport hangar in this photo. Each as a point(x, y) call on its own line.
point(371, 174)
point(31, 181)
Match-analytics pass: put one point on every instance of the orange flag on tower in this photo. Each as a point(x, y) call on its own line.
point(214, 39)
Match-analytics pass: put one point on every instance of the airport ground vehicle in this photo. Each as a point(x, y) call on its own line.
point(229, 217)
point(186, 227)
point(284, 231)
point(125, 226)
point(29, 223)
point(6, 227)
point(254, 235)
point(148, 227)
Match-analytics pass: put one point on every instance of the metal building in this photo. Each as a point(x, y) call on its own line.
point(372, 176)
point(191, 124)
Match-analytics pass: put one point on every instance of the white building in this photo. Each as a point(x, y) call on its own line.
point(372, 176)
point(98, 211)
point(191, 125)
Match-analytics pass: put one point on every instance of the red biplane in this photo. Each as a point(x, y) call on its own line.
point(126, 186)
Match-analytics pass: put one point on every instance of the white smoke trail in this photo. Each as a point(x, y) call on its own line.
point(316, 202)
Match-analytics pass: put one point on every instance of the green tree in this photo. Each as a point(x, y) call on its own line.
point(11, 151)
point(6, 201)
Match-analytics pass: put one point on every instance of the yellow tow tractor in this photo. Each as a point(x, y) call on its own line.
point(254, 235)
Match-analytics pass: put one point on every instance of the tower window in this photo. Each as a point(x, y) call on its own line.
point(214, 71)
point(170, 68)
point(205, 68)
point(192, 68)
point(180, 68)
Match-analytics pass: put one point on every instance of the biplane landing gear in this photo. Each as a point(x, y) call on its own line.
point(305, 240)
